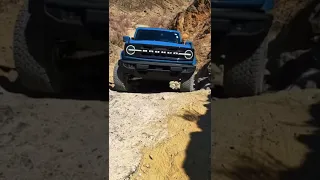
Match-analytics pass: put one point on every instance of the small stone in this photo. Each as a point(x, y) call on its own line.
point(133, 168)
point(150, 156)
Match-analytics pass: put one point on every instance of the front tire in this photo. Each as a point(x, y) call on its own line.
point(189, 84)
point(246, 77)
point(32, 55)
point(120, 80)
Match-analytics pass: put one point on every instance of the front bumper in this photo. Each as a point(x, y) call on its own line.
point(156, 70)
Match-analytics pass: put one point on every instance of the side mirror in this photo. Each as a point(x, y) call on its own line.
point(189, 43)
point(126, 39)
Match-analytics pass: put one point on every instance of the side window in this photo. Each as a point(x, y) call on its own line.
point(136, 34)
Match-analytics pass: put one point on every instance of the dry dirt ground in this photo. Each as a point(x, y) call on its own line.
point(271, 137)
point(47, 138)
point(149, 134)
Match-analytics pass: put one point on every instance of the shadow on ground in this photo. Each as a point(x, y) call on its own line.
point(197, 161)
point(266, 167)
point(309, 169)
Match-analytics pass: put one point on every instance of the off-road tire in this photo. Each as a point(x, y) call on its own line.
point(120, 80)
point(246, 77)
point(29, 51)
point(189, 84)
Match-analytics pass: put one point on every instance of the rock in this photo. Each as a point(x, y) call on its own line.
point(150, 156)
point(174, 85)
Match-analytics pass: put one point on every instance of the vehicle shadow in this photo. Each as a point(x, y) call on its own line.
point(264, 166)
point(309, 169)
point(197, 161)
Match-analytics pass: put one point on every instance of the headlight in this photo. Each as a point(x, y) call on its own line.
point(130, 49)
point(188, 54)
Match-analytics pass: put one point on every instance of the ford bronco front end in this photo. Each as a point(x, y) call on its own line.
point(156, 54)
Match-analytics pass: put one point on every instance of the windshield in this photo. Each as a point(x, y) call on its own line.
point(157, 35)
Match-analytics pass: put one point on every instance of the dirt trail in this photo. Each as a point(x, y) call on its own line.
point(184, 154)
point(52, 138)
point(140, 121)
point(164, 121)
point(268, 137)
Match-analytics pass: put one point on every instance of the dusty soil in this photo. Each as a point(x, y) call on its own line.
point(139, 122)
point(271, 137)
point(52, 138)
point(47, 138)
point(185, 153)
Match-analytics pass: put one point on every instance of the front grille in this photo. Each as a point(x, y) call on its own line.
point(160, 52)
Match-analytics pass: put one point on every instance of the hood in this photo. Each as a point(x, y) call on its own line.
point(159, 43)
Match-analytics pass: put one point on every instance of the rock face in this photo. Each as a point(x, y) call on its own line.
point(196, 22)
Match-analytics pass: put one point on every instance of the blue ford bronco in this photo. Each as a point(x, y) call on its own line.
point(240, 44)
point(156, 54)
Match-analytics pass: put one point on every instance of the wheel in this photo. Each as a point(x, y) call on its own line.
point(33, 55)
point(120, 80)
point(245, 76)
point(188, 85)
